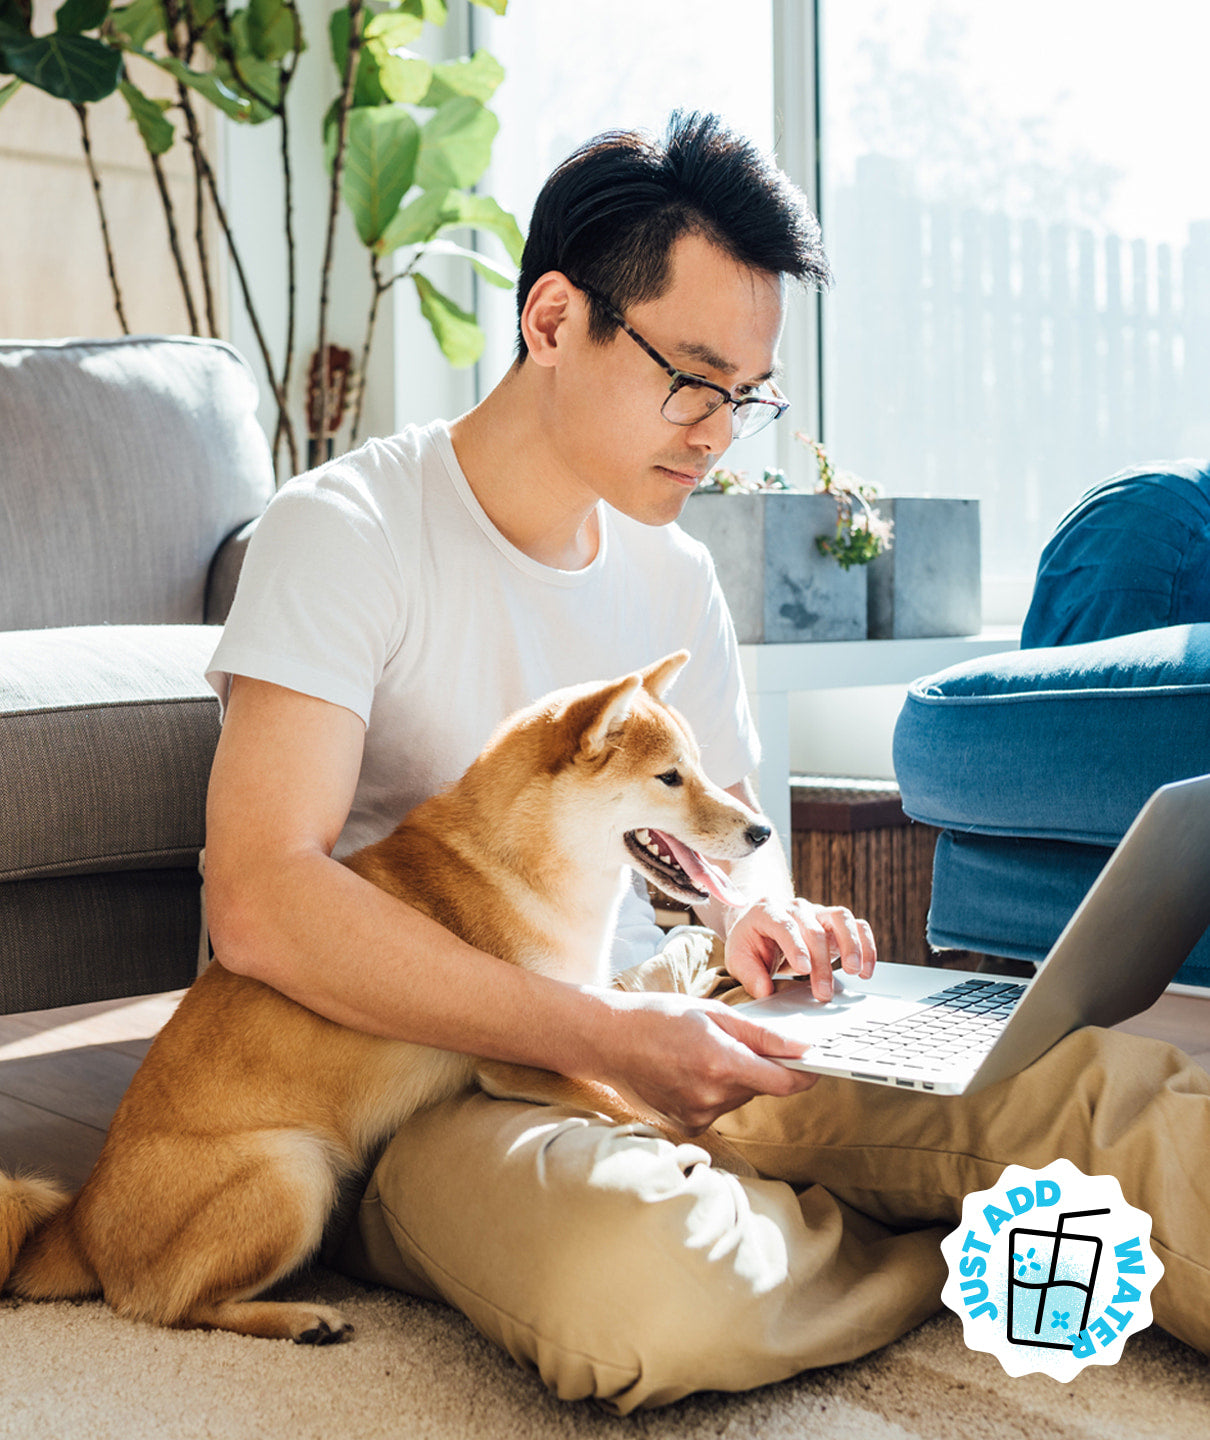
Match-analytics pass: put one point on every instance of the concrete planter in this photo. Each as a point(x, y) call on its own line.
point(778, 586)
point(929, 582)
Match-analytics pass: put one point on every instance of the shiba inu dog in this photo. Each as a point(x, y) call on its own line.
point(224, 1157)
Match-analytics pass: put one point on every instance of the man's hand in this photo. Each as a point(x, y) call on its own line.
point(687, 1060)
point(775, 929)
point(807, 937)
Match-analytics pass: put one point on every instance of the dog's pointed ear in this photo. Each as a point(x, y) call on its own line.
point(604, 714)
point(658, 677)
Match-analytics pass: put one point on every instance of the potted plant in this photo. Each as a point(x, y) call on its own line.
point(925, 584)
point(780, 587)
point(791, 562)
point(404, 139)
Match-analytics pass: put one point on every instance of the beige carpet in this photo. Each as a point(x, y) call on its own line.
point(420, 1372)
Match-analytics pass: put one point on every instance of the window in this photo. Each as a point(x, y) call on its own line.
point(1018, 216)
point(573, 71)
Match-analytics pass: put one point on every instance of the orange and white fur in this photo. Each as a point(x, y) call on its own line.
point(223, 1160)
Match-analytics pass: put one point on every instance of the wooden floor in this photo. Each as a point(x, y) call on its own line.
point(62, 1072)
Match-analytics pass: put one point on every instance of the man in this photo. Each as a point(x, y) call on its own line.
point(395, 605)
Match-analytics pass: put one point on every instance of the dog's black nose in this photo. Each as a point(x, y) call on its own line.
point(756, 835)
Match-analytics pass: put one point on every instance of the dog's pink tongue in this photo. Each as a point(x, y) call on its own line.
point(707, 877)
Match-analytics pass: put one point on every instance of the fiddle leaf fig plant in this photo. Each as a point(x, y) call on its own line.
point(405, 139)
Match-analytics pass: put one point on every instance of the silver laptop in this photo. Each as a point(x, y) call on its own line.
point(953, 1031)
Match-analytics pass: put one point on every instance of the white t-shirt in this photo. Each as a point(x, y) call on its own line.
point(378, 583)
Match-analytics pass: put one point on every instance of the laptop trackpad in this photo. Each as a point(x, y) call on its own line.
point(794, 1012)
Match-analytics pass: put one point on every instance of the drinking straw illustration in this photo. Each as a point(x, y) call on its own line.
point(1024, 1265)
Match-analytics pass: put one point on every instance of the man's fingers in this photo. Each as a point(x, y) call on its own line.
point(767, 1047)
point(802, 938)
point(869, 949)
point(846, 937)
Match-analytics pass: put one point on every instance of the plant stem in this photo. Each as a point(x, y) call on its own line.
point(182, 51)
point(348, 79)
point(86, 141)
point(380, 288)
point(278, 108)
point(363, 365)
point(253, 318)
point(291, 255)
point(174, 240)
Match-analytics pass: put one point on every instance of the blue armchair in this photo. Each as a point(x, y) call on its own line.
point(1033, 764)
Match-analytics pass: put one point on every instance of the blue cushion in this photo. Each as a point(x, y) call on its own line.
point(1133, 554)
point(1001, 896)
point(1063, 743)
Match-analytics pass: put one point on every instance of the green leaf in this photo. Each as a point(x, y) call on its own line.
point(498, 7)
point(15, 15)
point(207, 84)
point(156, 129)
point(240, 69)
point(483, 213)
point(136, 24)
point(479, 77)
point(456, 145)
point(455, 331)
point(273, 29)
point(436, 210)
point(73, 17)
point(329, 133)
point(393, 30)
point(417, 221)
point(338, 34)
point(405, 78)
point(367, 88)
point(380, 165)
point(434, 11)
point(69, 67)
point(493, 273)
point(8, 91)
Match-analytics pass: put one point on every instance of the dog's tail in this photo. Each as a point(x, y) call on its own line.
point(38, 1249)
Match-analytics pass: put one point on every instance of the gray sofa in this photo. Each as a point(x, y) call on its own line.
point(130, 474)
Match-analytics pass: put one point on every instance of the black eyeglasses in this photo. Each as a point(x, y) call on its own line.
point(691, 399)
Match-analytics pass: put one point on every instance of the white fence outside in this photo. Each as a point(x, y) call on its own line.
point(974, 354)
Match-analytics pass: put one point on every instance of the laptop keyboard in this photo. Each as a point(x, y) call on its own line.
point(956, 1026)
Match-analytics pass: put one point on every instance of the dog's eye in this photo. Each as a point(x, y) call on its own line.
point(669, 777)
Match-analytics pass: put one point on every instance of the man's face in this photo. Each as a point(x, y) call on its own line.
point(718, 320)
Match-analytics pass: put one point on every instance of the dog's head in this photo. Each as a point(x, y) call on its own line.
point(626, 776)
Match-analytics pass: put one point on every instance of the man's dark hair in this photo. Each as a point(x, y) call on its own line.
point(608, 216)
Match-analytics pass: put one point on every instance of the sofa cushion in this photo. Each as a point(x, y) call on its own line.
point(107, 734)
point(1064, 743)
point(124, 464)
point(76, 939)
point(1003, 896)
point(1133, 554)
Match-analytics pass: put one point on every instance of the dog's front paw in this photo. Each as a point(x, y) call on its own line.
point(326, 1329)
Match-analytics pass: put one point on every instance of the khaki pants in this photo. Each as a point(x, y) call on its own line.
point(620, 1266)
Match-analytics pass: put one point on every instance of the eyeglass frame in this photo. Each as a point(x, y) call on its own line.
point(779, 404)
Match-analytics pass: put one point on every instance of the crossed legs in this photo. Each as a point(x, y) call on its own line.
point(619, 1265)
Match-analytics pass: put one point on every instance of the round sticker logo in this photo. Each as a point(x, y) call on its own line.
point(1051, 1270)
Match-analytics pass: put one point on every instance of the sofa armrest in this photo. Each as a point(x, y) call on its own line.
point(224, 573)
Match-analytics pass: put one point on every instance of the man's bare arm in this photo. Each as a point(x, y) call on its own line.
point(284, 912)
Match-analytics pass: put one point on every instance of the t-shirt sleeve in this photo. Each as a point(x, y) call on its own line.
point(319, 606)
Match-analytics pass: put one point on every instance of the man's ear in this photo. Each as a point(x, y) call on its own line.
point(658, 677)
point(604, 715)
point(546, 308)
